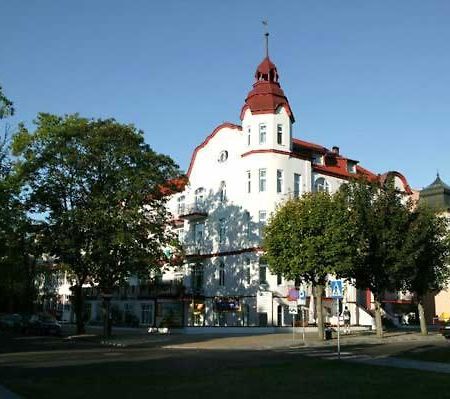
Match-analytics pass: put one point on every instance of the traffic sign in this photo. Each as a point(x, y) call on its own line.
point(336, 289)
point(301, 298)
point(293, 309)
point(292, 294)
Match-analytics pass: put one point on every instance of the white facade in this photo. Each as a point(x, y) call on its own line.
point(237, 177)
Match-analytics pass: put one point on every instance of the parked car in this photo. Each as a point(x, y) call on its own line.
point(43, 324)
point(445, 329)
point(11, 322)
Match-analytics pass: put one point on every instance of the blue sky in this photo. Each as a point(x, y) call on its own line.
point(372, 77)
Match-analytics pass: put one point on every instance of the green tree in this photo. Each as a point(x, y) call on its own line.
point(426, 254)
point(100, 188)
point(16, 264)
point(308, 238)
point(379, 219)
point(6, 106)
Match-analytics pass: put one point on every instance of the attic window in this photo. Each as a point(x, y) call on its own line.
point(351, 167)
point(317, 159)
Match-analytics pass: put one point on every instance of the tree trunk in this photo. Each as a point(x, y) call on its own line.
point(78, 308)
point(30, 290)
point(378, 321)
point(107, 316)
point(423, 322)
point(318, 293)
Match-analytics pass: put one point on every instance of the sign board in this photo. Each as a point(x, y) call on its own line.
point(226, 304)
point(336, 289)
point(292, 294)
point(301, 298)
point(293, 309)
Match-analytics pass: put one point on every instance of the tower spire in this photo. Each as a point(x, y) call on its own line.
point(266, 34)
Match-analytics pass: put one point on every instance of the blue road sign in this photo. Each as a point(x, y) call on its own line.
point(336, 289)
point(301, 298)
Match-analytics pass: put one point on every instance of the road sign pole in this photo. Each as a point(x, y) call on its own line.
point(339, 328)
point(293, 328)
point(303, 322)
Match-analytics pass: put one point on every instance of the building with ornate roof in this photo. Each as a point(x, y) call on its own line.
point(437, 196)
point(237, 177)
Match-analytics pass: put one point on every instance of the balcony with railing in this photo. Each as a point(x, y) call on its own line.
point(160, 289)
point(196, 247)
point(169, 289)
point(194, 211)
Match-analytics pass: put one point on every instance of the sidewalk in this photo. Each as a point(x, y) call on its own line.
point(407, 364)
point(264, 341)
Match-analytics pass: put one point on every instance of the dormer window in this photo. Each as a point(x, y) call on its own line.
point(317, 159)
point(262, 133)
point(351, 166)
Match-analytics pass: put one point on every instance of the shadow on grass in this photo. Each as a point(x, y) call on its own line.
point(223, 374)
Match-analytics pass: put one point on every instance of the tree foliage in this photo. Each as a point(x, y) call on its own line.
point(308, 238)
point(426, 256)
point(99, 186)
point(379, 219)
point(6, 106)
point(16, 243)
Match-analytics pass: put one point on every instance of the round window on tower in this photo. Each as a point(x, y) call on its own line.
point(223, 156)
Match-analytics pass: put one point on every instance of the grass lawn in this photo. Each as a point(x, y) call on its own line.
point(190, 378)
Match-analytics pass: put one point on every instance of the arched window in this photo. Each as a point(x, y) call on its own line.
point(321, 185)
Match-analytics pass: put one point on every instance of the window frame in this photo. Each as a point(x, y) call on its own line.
point(280, 131)
point(262, 273)
point(262, 180)
point(262, 133)
point(221, 274)
point(297, 190)
point(280, 181)
point(325, 187)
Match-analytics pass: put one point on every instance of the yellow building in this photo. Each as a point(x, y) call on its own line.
point(437, 196)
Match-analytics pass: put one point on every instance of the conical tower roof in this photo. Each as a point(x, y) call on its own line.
point(436, 195)
point(267, 95)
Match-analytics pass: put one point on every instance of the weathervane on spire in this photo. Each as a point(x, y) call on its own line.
point(266, 34)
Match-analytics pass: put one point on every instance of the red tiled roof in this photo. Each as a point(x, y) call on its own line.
point(309, 146)
point(267, 96)
point(173, 186)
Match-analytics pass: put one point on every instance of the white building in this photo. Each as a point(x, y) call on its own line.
point(237, 176)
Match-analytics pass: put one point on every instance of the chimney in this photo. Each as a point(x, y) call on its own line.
point(335, 150)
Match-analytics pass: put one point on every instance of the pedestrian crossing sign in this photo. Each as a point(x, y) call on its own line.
point(336, 289)
point(301, 298)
